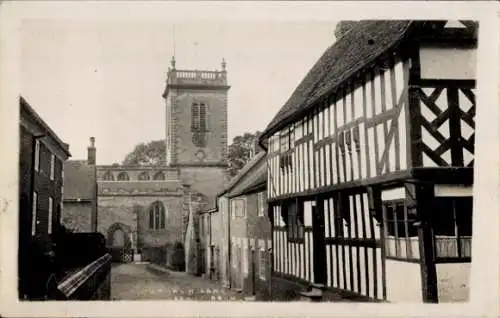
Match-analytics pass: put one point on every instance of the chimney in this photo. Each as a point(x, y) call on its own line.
point(91, 152)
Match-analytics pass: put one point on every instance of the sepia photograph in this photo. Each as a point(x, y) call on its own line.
point(247, 161)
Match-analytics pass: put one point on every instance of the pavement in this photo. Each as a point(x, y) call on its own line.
point(144, 281)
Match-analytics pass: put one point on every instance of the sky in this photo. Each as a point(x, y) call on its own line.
point(104, 78)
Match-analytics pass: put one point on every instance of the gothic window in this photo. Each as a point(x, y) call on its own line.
point(108, 176)
point(159, 176)
point(157, 216)
point(123, 176)
point(143, 176)
point(199, 123)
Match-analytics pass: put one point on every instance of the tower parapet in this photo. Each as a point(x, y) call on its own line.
point(196, 79)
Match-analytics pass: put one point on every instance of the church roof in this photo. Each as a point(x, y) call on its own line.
point(358, 48)
point(79, 180)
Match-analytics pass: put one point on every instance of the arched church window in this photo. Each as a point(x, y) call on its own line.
point(123, 176)
point(144, 176)
point(159, 176)
point(199, 123)
point(108, 176)
point(157, 216)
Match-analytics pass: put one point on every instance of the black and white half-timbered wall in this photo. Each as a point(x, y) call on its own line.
point(370, 164)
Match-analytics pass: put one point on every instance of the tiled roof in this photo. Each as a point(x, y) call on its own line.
point(79, 180)
point(253, 178)
point(359, 47)
point(242, 173)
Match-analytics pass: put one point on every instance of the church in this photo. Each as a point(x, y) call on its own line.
point(141, 207)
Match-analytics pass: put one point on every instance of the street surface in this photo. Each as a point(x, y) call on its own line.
point(144, 282)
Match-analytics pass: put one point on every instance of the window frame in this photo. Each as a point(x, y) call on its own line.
point(157, 216)
point(123, 173)
point(457, 235)
point(52, 166)
point(34, 213)
point(37, 155)
point(294, 219)
point(260, 204)
point(50, 215)
point(410, 254)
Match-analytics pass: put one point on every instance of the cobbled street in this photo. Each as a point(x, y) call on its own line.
point(143, 281)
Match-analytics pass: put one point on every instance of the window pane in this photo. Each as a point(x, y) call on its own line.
point(463, 210)
point(389, 212)
point(443, 217)
point(51, 206)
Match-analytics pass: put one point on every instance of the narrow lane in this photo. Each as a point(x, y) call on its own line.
point(142, 282)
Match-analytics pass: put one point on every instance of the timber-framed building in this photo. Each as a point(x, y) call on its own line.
point(370, 165)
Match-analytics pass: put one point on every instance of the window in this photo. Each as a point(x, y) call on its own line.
point(262, 264)
point(108, 176)
point(452, 227)
point(294, 220)
point(238, 208)
point(49, 221)
point(199, 123)
point(260, 203)
point(34, 213)
point(123, 176)
point(157, 216)
point(401, 233)
point(245, 258)
point(286, 144)
point(143, 176)
point(52, 166)
point(159, 176)
point(37, 155)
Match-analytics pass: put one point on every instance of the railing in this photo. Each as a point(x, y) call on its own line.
point(93, 282)
point(205, 75)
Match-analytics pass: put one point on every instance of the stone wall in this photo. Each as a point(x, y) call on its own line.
point(134, 212)
point(185, 151)
point(77, 216)
point(207, 180)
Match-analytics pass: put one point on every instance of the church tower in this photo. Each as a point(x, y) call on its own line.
point(196, 126)
point(196, 104)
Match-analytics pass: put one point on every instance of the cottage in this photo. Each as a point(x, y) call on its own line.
point(250, 230)
point(80, 195)
point(371, 165)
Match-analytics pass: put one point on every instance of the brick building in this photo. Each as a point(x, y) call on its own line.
point(41, 158)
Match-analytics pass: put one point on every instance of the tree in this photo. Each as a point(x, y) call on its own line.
point(152, 153)
point(241, 151)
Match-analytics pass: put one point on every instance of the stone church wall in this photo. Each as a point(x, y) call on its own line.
point(133, 211)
